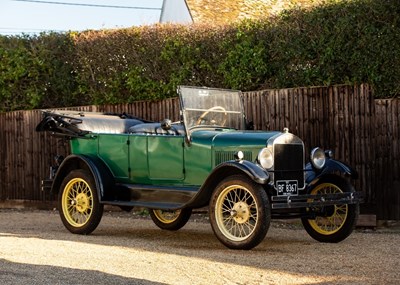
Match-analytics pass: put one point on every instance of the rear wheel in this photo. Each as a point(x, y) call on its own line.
point(79, 206)
point(171, 220)
point(331, 223)
point(240, 212)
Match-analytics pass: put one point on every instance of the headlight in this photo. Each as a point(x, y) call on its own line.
point(265, 158)
point(318, 158)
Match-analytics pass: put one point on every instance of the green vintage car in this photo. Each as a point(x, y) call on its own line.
point(211, 157)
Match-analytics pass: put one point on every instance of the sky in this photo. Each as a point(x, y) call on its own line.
point(35, 16)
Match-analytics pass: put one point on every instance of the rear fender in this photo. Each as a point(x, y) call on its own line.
point(101, 174)
point(253, 171)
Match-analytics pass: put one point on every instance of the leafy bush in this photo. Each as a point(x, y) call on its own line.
point(339, 42)
point(350, 42)
point(35, 72)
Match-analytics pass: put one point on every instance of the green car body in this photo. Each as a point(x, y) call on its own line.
point(208, 158)
point(168, 160)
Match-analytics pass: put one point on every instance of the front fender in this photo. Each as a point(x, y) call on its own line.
point(250, 169)
point(331, 166)
point(100, 172)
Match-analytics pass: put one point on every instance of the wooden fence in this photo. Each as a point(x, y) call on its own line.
point(361, 131)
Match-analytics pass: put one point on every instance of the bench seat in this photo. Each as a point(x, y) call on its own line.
point(156, 129)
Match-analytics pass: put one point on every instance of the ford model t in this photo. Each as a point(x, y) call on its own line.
point(208, 158)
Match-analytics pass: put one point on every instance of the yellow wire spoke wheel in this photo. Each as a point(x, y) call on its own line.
point(237, 213)
point(80, 208)
point(332, 223)
point(240, 212)
point(166, 216)
point(170, 219)
point(338, 213)
point(77, 202)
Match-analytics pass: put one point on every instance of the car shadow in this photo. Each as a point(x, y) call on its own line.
point(22, 273)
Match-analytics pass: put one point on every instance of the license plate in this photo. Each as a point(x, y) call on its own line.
point(287, 187)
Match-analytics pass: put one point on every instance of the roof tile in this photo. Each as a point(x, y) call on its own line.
point(227, 11)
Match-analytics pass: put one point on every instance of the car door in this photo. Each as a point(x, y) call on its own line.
point(156, 159)
point(165, 158)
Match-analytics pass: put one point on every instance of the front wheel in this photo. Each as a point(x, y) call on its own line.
point(240, 212)
point(334, 223)
point(79, 206)
point(171, 220)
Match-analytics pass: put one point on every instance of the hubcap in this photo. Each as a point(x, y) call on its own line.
point(240, 212)
point(81, 202)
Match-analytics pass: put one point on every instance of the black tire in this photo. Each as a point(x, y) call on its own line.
point(171, 220)
point(240, 212)
point(79, 206)
point(335, 223)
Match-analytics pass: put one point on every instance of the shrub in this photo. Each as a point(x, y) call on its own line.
point(340, 42)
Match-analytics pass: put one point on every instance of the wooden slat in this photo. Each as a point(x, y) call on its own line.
point(3, 157)
point(368, 221)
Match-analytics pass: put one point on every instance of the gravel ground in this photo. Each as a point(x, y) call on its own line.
point(128, 248)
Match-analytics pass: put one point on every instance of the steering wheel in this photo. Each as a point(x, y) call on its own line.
point(212, 120)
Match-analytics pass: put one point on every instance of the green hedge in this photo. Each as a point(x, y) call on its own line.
point(344, 42)
point(36, 72)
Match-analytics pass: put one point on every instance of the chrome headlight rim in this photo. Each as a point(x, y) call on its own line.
point(265, 158)
point(318, 158)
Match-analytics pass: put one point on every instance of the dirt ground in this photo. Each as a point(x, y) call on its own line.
point(127, 248)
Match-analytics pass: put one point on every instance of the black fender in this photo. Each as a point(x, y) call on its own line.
point(331, 166)
point(250, 169)
point(101, 174)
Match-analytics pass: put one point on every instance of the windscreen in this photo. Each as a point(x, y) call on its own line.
point(211, 108)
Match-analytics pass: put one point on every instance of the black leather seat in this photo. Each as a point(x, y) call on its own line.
point(156, 129)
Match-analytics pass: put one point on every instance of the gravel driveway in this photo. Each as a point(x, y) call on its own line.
point(127, 248)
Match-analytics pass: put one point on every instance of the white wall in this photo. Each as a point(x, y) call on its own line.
point(175, 11)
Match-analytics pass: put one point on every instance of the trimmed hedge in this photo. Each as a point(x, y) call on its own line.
point(36, 72)
point(344, 42)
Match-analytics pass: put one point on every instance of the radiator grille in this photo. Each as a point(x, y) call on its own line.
point(289, 163)
point(222, 156)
